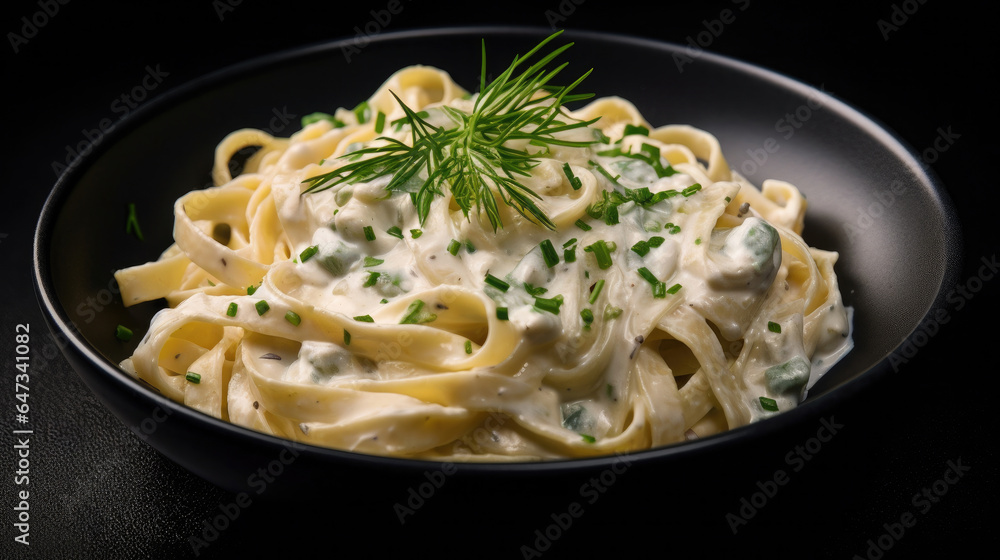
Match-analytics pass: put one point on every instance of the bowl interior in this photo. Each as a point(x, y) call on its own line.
point(869, 198)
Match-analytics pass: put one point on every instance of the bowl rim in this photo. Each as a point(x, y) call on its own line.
point(57, 318)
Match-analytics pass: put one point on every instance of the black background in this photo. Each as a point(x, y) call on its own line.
point(98, 491)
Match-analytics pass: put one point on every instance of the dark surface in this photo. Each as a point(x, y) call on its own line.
point(96, 490)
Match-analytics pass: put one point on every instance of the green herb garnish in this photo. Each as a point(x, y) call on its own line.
point(415, 314)
point(597, 291)
point(471, 158)
point(132, 222)
point(549, 253)
point(497, 283)
point(308, 253)
point(123, 333)
point(768, 404)
point(602, 252)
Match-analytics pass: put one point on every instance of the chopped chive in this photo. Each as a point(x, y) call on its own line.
point(691, 190)
point(597, 291)
point(648, 276)
point(655, 241)
point(600, 168)
point(773, 327)
point(468, 346)
point(362, 112)
point(611, 312)
point(372, 261)
point(611, 215)
point(587, 315)
point(262, 307)
point(635, 129)
point(123, 333)
point(641, 248)
point(588, 438)
point(395, 231)
point(549, 304)
point(768, 404)
point(308, 253)
point(231, 310)
point(602, 252)
point(454, 246)
point(533, 290)
point(193, 377)
point(415, 314)
point(383, 300)
point(251, 290)
point(549, 253)
point(372, 279)
point(132, 222)
point(293, 318)
point(570, 242)
point(415, 233)
point(502, 313)
point(674, 289)
point(569, 255)
point(470, 247)
point(316, 117)
point(347, 338)
point(369, 233)
point(364, 319)
point(497, 283)
point(672, 229)
point(379, 122)
point(574, 181)
point(659, 290)
point(583, 225)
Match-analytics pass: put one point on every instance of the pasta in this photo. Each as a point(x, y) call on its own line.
point(670, 299)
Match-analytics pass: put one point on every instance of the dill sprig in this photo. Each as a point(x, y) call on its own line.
point(473, 159)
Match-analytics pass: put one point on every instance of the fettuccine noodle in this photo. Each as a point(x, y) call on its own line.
point(365, 330)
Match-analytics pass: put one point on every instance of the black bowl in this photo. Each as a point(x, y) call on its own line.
point(869, 196)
